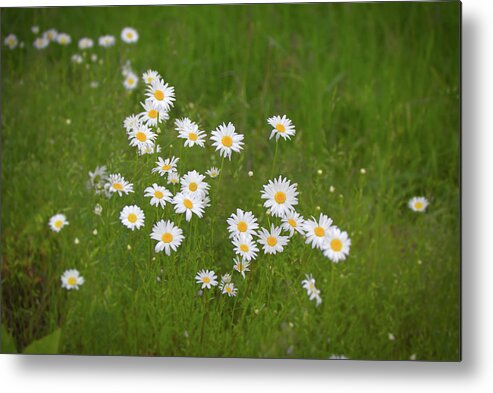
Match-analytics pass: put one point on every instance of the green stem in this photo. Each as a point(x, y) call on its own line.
point(274, 160)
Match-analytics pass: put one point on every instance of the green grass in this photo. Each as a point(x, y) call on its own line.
point(372, 86)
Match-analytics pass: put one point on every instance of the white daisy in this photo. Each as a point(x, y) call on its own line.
point(226, 140)
point(229, 289)
point(311, 289)
point(99, 176)
point(50, 34)
point(206, 200)
point(129, 35)
point(150, 148)
point(317, 231)
point(193, 183)
point(418, 204)
point(242, 223)
point(149, 76)
point(272, 240)
point(85, 43)
point(76, 58)
point(292, 222)
point(173, 177)
point(35, 29)
point(336, 245)
point(159, 195)
point(41, 43)
point(245, 247)
point(106, 41)
point(280, 196)
point(152, 114)
point(161, 94)
point(57, 222)
point(71, 279)
point(130, 81)
point(207, 278)
point(165, 166)
point(213, 172)
point(142, 136)
point(241, 266)
point(117, 183)
point(63, 39)
point(188, 203)
point(131, 122)
point(225, 279)
point(132, 217)
point(189, 131)
point(283, 127)
point(168, 235)
point(11, 41)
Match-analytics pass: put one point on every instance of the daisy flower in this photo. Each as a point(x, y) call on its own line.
point(193, 183)
point(213, 172)
point(241, 266)
point(272, 240)
point(245, 247)
point(229, 289)
point(85, 43)
point(280, 196)
point(152, 114)
point(41, 43)
point(63, 39)
point(207, 278)
point(292, 222)
point(129, 35)
point(150, 76)
point(142, 136)
point(225, 279)
point(132, 217)
point(130, 81)
point(316, 231)
point(117, 183)
point(159, 195)
point(35, 29)
point(336, 245)
point(418, 204)
point(242, 223)
point(188, 203)
point(168, 235)
point(189, 131)
point(99, 175)
point(226, 140)
point(57, 222)
point(150, 148)
point(165, 166)
point(173, 177)
point(311, 289)
point(11, 41)
point(50, 34)
point(71, 279)
point(76, 58)
point(282, 126)
point(161, 94)
point(106, 41)
point(131, 122)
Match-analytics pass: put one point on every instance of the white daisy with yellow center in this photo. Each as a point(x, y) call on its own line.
point(142, 137)
point(316, 231)
point(159, 195)
point(207, 278)
point(242, 223)
point(226, 140)
point(132, 217)
point(229, 289)
point(193, 183)
point(418, 204)
point(161, 94)
point(272, 241)
point(282, 127)
point(168, 236)
point(63, 39)
point(150, 148)
point(131, 122)
point(152, 114)
point(71, 279)
point(11, 41)
point(213, 172)
point(150, 76)
point(189, 131)
point(311, 290)
point(280, 196)
point(117, 183)
point(245, 247)
point(241, 266)
point(50, 34)
point(41, 43)
point(336, 245)
point(292, 222)
point(173, 177)
point(188, 204)
point(166, 166)
point(131, 80)
point(106, 41)
point(85, 43)
point(129, 35)
point(57, 222)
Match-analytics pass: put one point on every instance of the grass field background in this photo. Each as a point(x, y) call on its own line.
point(373, 86)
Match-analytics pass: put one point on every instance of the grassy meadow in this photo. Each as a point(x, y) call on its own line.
point(373, 91)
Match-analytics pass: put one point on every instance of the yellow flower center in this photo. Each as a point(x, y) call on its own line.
point(188, 203)
point(319, 231)
point(192, 186)
point(152, 113)
point(244, 248)
point(207, 280)
point(130, 81)
point(72, 281)
point(242, 226)
point(280, 197)
point(227, 141)
point(159, 95)
point(141, 136)
point(280, 128)
point(129, 35)
point(228, 289)
point(117, 186)
point(418, 205)
point(158, 194)
point(292, 222)
point(192, 136)
point(58, 223)
point(132, 218)
point(271, 241)
point(167, 237)
point(166, 167)
point(336, 245)
point(240, 266)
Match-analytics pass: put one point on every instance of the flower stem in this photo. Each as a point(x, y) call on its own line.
point(274, 160)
